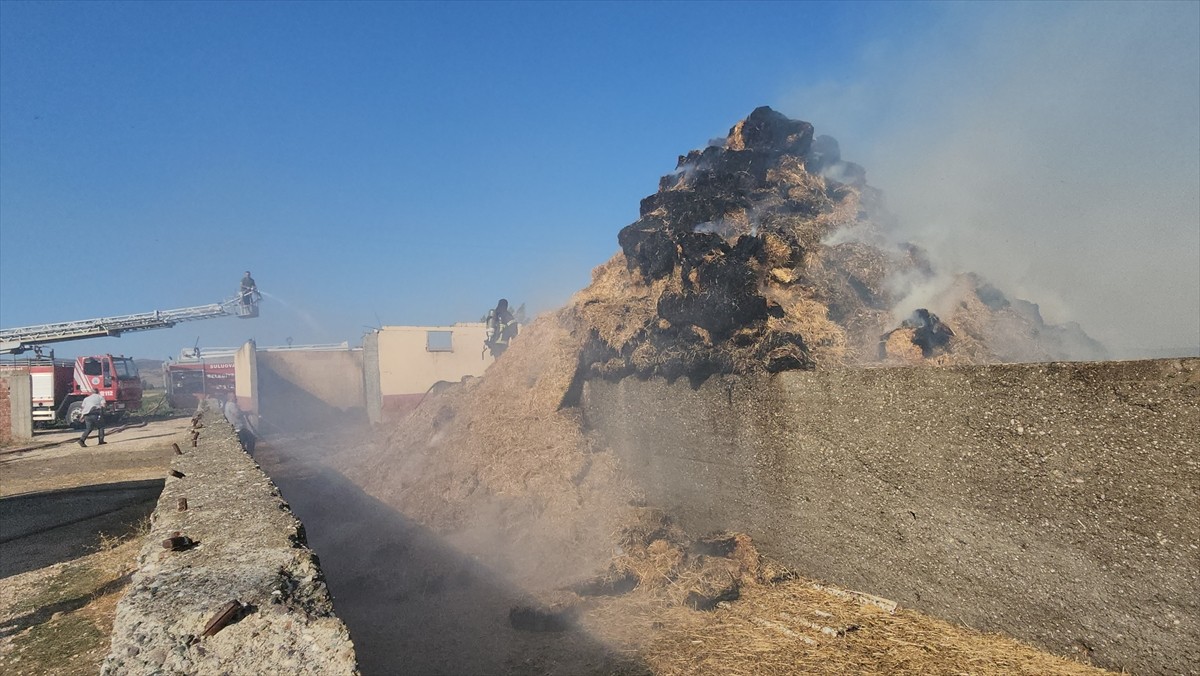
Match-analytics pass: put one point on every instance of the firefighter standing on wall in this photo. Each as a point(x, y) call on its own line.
point(502, 328)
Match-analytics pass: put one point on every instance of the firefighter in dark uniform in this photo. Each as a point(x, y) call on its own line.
point(502, 328)
point(249, 289)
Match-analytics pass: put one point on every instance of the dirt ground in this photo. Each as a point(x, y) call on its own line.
point(70, 518)
point(54, 461)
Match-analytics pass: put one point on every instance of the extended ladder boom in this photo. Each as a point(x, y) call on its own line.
point(16, 341)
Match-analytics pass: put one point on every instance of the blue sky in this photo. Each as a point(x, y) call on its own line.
point(409, 163)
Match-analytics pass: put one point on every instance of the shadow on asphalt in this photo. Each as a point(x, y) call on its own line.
point(40, 529)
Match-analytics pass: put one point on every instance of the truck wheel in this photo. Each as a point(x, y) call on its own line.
point(75, 415)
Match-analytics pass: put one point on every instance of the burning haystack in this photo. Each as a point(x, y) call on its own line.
point(763, 252)
point(767, 252)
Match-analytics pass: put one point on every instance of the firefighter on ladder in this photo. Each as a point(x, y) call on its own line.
point(248, 291)
point(501, 328)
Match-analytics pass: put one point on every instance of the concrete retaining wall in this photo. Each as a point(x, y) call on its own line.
point(310, 388)
point(16, 404)
point(245, 380)
point(1058, 503)
point(333, 377)
point(247, 547)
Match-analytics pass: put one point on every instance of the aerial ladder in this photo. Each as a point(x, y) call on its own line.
point(18, 340)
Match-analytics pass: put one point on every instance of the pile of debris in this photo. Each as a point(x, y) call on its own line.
point(767, 252)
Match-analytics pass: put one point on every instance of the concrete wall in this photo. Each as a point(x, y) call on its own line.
point(372, 393)
point(407, 368)
point(245, 380)
point(247, 547)
point(307, 388)
point(334, 377)
point(1058, 503)
point(16, 405)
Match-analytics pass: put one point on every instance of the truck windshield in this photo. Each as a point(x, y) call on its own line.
point(125, 368)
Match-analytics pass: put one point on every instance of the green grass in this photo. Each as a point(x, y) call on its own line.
point(155, 405)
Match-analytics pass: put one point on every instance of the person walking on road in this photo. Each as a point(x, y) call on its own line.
point(93, 418)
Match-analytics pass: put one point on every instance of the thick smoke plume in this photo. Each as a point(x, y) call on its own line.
point(1053, 148)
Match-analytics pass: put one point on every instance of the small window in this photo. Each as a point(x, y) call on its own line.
point(439, 341)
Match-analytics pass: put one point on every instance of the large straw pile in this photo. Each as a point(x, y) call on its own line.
point(769, 252)
point(764, 253)
point(501, 467)
point(800, 627)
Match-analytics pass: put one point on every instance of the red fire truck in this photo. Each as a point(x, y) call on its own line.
point(188, 382)
point(58, 387)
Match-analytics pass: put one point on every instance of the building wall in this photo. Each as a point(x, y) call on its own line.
point(307, 389)
point(16, 404)
point(245, 366)
point(333, 376)
point(407, 368)
point(372, 396)
point(1057, 503)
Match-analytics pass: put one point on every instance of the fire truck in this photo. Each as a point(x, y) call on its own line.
point(199, 374)
point(59, 386)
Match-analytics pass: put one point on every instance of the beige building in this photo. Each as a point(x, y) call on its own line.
point(401, 363)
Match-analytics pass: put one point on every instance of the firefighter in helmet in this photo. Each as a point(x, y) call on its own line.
point(501, 328)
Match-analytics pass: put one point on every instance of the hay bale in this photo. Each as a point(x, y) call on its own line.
point(899, 347)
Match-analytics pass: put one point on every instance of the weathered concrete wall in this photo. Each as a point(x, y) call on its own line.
point(1058, 503)
point(245, 380)
point(408, 368)
point(333, 377)
point(307, 389)
point(248, 547)
point(16, 404)
point(372, 394)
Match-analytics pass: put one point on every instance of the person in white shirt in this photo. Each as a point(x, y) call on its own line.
point(93, 418)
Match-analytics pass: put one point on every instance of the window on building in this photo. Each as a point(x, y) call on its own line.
point(439, 341)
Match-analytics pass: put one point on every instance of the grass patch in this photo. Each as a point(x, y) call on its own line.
point(67, 644)
point(109, 542)
point(63, 624)
point(72, 582)
point(155, 405)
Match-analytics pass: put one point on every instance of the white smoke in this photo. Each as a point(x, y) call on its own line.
point(1053, 148)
